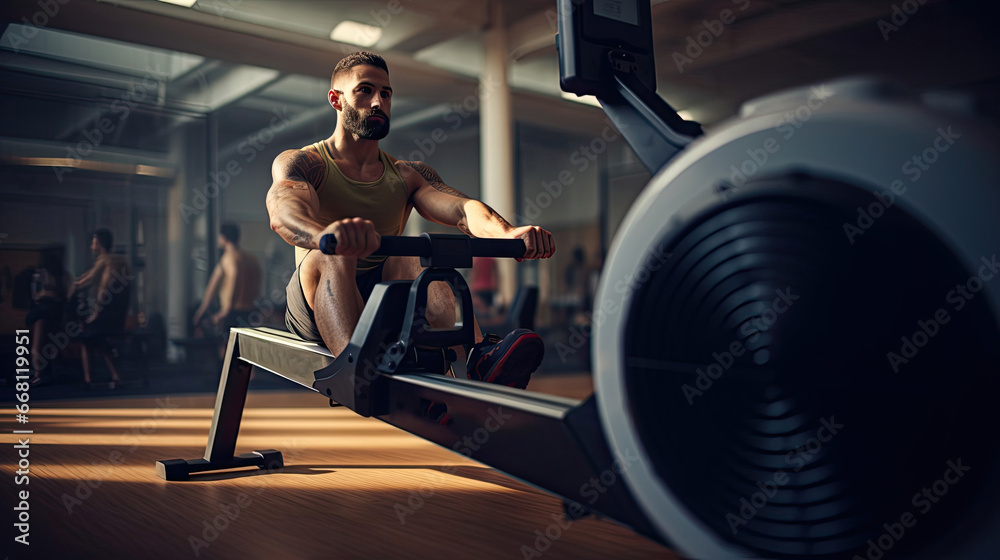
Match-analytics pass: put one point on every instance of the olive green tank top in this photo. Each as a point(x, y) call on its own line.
point(383, 201)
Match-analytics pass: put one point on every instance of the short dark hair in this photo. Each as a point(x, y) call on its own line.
point(357, 59)
point(104, 238)
point(231, 232)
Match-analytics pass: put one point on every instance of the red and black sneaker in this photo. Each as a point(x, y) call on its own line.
point(506, 361)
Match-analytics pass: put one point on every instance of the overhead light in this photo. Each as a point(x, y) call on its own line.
point(585, 99)
point(686, 115)
point(355, 33)
point(185, 3)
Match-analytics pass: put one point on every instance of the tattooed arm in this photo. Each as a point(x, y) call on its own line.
point(432, 178)
point(292, 203)
point(436, 201)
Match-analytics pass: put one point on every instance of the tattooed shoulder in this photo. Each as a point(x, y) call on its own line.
point(301, 165)
point(432, 178)
point(311, 167)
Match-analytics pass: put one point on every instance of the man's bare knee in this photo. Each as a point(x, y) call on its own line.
point(330, 288)
point(401, 268)
point(318, 270)
point(440, 305)
point(440, 310)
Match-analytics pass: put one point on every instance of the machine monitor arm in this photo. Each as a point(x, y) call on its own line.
point(594, 59)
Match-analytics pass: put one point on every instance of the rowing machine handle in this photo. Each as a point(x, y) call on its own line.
point(399, 246)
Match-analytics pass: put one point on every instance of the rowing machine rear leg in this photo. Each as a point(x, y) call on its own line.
point(229, 403)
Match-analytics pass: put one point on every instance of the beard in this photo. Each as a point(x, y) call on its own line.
point(357, 123)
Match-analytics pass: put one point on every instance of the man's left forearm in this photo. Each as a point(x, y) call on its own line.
point(480, 220)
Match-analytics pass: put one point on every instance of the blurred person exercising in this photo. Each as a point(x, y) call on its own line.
point(49, 293)
point(346, 186)
point(236, 279)
point(108, 309)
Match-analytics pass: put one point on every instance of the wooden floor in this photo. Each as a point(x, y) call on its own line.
point(352, 488)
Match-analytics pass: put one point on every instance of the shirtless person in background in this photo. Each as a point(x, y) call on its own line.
point(236, 279)
point(108, 305)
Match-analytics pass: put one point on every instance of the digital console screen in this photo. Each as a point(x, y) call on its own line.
point(625, 11)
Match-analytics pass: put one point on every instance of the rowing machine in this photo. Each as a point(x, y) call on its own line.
point(807, 345)
point(553, 443)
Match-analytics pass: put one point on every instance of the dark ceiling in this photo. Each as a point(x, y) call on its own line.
point(248, 56)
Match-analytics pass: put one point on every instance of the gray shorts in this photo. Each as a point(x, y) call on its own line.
point(299, 317)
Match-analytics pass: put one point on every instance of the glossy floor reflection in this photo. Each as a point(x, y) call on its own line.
point(352, 488)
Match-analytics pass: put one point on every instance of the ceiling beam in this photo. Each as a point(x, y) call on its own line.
point(758, 32)
point(66, 71)
point(468, 15)
point(532, 34)
point(305, 118)
point(217, 89)
point(420, 116)
point(213, 37)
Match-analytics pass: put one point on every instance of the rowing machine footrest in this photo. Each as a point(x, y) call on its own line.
point(271, 460)
point(418, 360)
point(181, 469)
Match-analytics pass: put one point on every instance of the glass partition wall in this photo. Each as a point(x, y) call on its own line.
point(162, 147)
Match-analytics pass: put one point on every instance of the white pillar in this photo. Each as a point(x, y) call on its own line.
point(496, 130)
point(179, 224)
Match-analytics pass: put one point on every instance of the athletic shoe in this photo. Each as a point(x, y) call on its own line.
point(506, 361)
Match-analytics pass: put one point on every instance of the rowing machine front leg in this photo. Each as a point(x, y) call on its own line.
point(229, 403)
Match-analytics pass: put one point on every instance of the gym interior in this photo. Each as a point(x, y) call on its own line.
point(770, 323)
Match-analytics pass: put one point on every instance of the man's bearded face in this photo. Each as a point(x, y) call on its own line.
point(366, 125)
